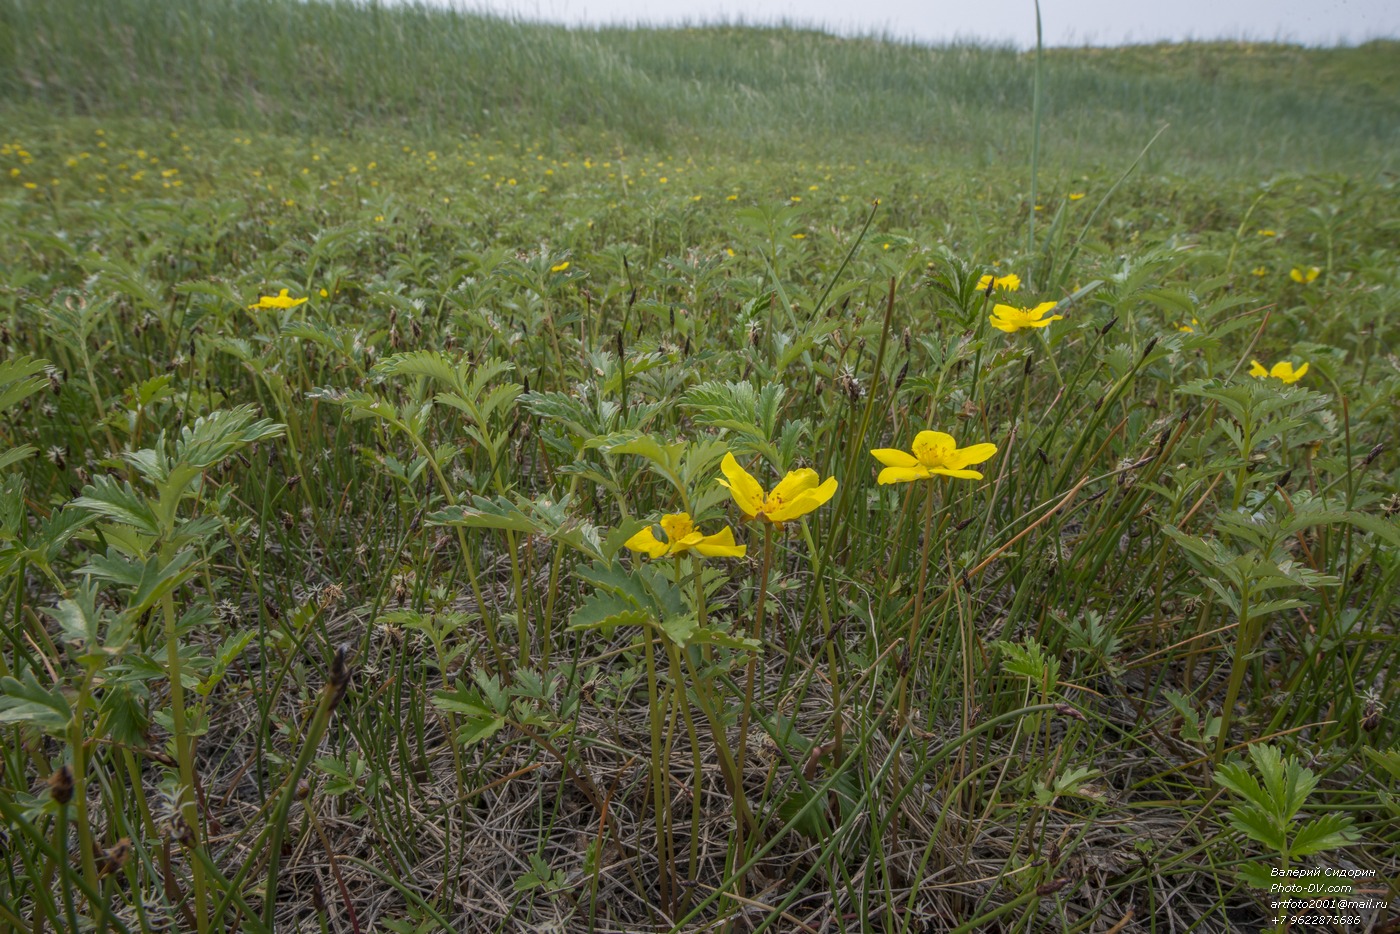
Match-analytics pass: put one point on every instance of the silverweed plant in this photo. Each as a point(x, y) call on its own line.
point(432, 502)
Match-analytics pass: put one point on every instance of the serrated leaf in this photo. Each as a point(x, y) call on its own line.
point(1258, 826)
point(607, 611)
point(425, 363)
point(680, 629)
point(709, 636)
point(1325, 833)
point(118, 502)
point(499, 514)
point(26, 701)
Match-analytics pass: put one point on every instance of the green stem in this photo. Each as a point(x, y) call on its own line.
point(331, 694)
point(486, 618)
point(757, 635)
point(697, 764)
point(660, 797)
point(914, 644)
point(65, 872)
point(184, 754)
point(1243, 646)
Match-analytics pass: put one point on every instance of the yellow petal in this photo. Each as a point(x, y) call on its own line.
point(903, 474)
point(1257, 369)
point(1044, 322)
point(893, 457)
point(793, 485)
point(1298, 373)
point(972, 454)
point(984, 282)
point(1011, 282)
point(720, 545)
point(1041, 309)
point(647, 543)
point(1003, 325)
point(747, 493)
point(685, 544)
point(933, 448)
point(805, 502)
point(960, 474)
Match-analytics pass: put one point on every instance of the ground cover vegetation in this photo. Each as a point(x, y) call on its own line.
point(458, 474)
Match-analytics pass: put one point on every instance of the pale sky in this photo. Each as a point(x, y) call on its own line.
point(1066, 22)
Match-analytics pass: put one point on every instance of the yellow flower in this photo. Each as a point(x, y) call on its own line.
point(683, 536)
point(1282, 370)
point(795, 495)
point(1010, 282)
point(1189, 328)
point(799, 236)
point(560, 268)
point(1008, 318)
point(1304, 276)
point(1075, 195)
point(281, 300)
point(935, 453)
point(325, 294)
point(1266, 232)
point(1260, 271)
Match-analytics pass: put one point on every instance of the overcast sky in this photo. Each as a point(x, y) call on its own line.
point(1066, 22)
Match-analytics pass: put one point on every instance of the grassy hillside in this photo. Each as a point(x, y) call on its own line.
point(332, 67)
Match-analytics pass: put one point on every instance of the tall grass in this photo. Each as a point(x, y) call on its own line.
point(346, 67)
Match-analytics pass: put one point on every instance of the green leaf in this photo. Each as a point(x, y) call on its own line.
point(727, 640)
point(1030, 661)
point(1258, 826)
point(16, 454)
point(680, 629)
point(118, 502)
point(1233, 776)
point(426, 363)
point(1388, 760)
point(25, 701)
point(480, 722)
point(1325, 833)
point(607, 611)
point(483, 513)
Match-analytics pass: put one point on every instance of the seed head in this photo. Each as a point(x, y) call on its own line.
point(61, 785)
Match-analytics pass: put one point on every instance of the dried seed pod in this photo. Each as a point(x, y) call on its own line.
point(114, 857)
point(1065, 710)
point(1371, 716)
point(61, 785)
point(340, 673)
point(180, 830)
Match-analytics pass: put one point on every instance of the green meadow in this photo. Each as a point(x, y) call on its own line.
point(465, 475)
